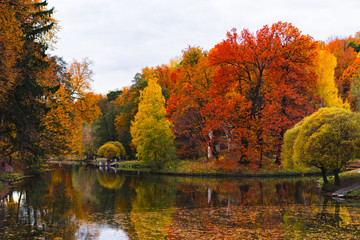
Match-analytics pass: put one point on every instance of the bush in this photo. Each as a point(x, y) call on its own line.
point(119, 146)
point(109, 151)
point(112, 150)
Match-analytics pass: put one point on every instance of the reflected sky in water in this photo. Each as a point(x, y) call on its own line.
point(85, 203)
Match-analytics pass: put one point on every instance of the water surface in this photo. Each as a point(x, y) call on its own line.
point(86, 203)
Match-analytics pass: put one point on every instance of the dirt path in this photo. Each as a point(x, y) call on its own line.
point(343, 191)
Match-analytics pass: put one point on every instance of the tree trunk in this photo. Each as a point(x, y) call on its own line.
point(323, 171)
point(337, 179)
point(260, 165)
point(277, 160)
point(278, 152)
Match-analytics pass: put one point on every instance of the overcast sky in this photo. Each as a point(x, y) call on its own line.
point(123, 36)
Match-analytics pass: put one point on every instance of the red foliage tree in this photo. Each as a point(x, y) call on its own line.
point(263, 87)
point(345, 56)
point(189, 96)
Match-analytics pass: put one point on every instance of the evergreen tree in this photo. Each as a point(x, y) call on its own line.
point(151, 131)
point(25, 101)
point(104, 126)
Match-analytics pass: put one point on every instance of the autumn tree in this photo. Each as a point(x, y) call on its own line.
point(263, 87)
point(354, 42)
point(150, 130)
point(10, 47)
point(191, 82)
point(111, 150)
point(328, 139)
point(71, 105)
point(119, 146)
point(345, 56)
point(24, 102)
point(128, 103)
point(325, 64)
point(349, 79)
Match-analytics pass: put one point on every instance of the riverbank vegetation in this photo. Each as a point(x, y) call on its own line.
point(226, 109)
point(348, 178)
point(329, 139)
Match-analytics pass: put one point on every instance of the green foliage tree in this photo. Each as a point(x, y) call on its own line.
point(328, 139)
point(104, 126)
point(88, 141)
point(354, 45)
point(113, 95)
point(151, 131)
point(355, 91)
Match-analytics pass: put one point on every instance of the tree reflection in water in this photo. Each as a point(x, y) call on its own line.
point(84, 203)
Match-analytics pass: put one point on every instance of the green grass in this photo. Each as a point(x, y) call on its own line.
point(355, 193)
point(134, 169)
point(2, 186)
point(132, 164)
point(10, 176)
point(214, 166)
point(346, 179)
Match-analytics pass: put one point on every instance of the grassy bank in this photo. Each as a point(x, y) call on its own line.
point(346, 179)
point(214, 167)
point(133, 166)
point(2, 186)
point(6, 180)
point(10, 176)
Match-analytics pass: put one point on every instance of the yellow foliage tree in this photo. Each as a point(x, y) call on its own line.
point(112, 149)
point(326, 87)
point(109, 151)
point(151, 131)
point(62, 132)
point(328, 139)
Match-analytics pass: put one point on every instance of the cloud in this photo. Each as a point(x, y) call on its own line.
point(123, 36)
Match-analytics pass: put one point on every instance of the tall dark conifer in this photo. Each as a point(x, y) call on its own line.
point(26, 105)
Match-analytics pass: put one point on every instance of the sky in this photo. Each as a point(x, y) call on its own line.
point(121, 37)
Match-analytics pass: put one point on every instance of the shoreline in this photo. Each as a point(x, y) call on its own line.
point(5, 191)
point(139, 171)
point(8, 184)
point(184, 174)
point(237, 175)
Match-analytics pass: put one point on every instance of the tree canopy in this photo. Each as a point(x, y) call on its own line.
point(234, 101)
point(150, 130)
point(111, 150)
point(328, 139)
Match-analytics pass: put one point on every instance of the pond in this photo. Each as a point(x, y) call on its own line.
point(85, 203)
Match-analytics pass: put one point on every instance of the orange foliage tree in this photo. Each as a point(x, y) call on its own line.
point(347, 79)
point(27, 31)
point(345, 56)
point(128, 103)
point(263, 87)
point(191, 82)
point(71, 105)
